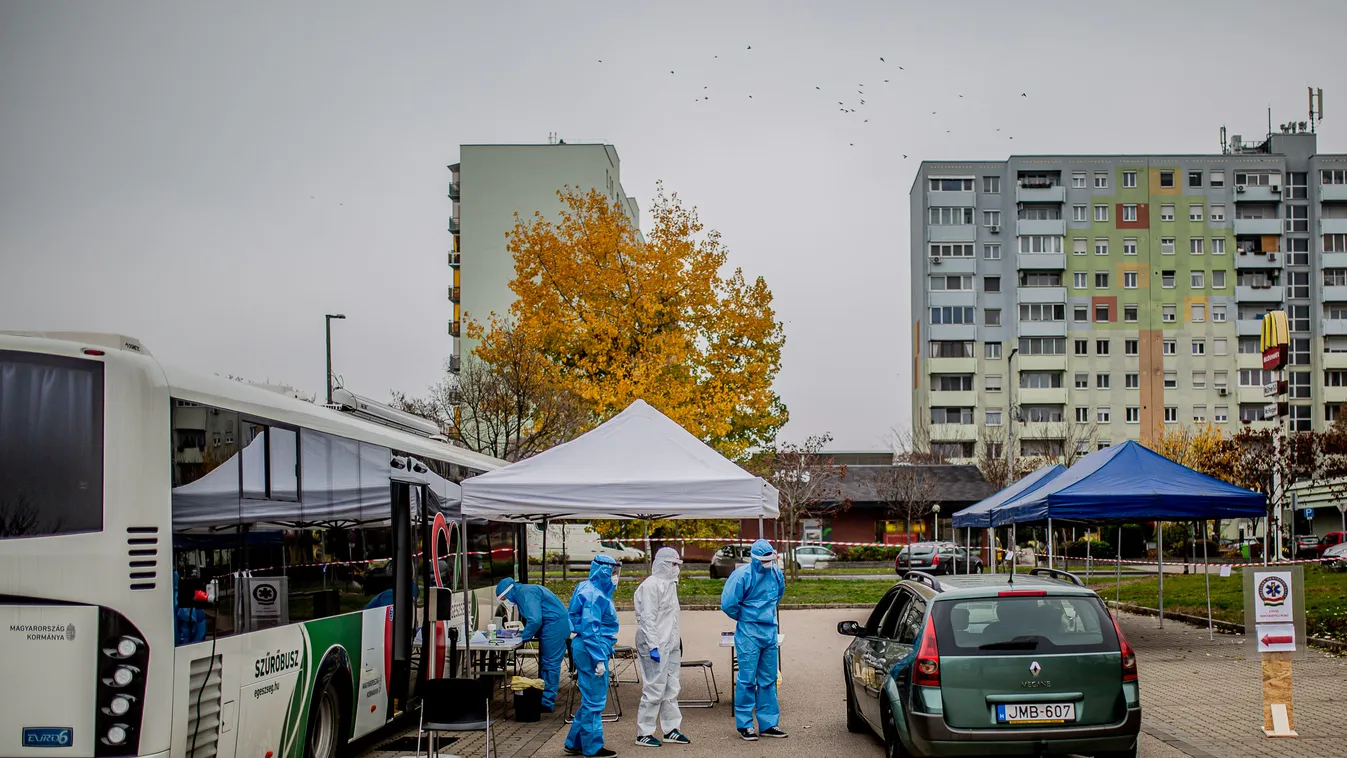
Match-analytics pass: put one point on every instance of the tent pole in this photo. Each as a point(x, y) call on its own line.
point(1013, 549)
point(1050, 542)
point(991, 549)
point(1160, 556)
point(647, 547)
point(1206, 577)
point(1087, 557)
point(467, 608)
point(542, 573)
point(760, 532)
point(1117, 563)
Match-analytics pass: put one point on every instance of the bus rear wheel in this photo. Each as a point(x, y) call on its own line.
point(324, 723)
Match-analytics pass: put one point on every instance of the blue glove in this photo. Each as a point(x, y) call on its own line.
point(654, 654)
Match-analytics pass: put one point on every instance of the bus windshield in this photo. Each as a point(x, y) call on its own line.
point(51, 445)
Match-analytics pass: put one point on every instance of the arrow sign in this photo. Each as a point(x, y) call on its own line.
point(1286, 639)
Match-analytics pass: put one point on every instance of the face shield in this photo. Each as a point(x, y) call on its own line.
point(617, 574)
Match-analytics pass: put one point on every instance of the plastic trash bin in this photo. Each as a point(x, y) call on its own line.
point(528, 704)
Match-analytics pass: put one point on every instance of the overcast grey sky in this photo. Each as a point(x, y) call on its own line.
point(212, 179)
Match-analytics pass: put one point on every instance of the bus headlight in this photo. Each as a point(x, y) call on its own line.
point(123, 676)
point(120, 705)
point(126, 647)
point(116, 734)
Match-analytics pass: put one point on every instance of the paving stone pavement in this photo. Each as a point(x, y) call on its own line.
point(1201, 699)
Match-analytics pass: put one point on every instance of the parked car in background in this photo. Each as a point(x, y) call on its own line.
point(937, 558)
point(808, 556)
point(1330, 540)
point(726, 559)
point(973, 665)
point(1335, 557)
point(1306, 545)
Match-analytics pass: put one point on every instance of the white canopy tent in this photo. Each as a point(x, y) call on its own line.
point(639, 464)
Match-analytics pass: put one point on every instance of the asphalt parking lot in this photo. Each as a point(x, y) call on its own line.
point(1201, 698)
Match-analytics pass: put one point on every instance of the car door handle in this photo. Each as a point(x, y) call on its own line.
point(1039, 697)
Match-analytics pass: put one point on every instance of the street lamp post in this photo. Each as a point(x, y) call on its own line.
point(936, 510)
point(327, 324)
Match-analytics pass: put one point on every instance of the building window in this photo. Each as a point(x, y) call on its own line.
point(951, 349)
point(1298, 251)
point(1335, 277)
point(1102, 414)
point(1218, 245)
point(1297, 185)
point(1199, 380)
point(1167, 279)
point(1080, 314)
point(1129, 280)
point(1195, 245)
point(1078, 246)
point(1078, 179)
point(1101, 246)
point(1220, 379)
point(1082, 380)
point(993, 417)
point(1335, 311)
point(1130, 347)
point(992, 351)
point(951, 283)
point(1101, 280)
point(1132, 381)
point(991, 184)
point(1101, 314)
point(1302, 418)
point(1169, 313)
point(1297, 220)
point(1042, 346)
point(951, 383)
point(991, 284)
point(1221, 414)
point(1171, 414)
point(1102, 381)
point(954, 314)
point(1194, 213)
point(1082, 415)
point(1167, 212)
point(1197, 279)
point(1166, 178)
point(1166, 245)
point(1079, 280)
point(1199, 313)
point(1200, 414)
point(1040, 244)
point(992, 252)
point(951, 185)
point(1171, 380)
point(991, 218)
point(1217, 179)
point(950, 216)
point(1041, 380)
point(1220, 346)
point(992, 382)
point(1129, 213)
point(1218, 213)
point(1218, 283)
point(1335, 243)
point(1194, 178)
point(1040, 279)
point(1133, 414)
point(992, 316)
point(1101, 213)
point(951, 251)
point(1080, 213)
point(1101, 347)
point(1082, 347)
point(1129, 179)
point(1199, 347)
point(1255, 377)
point(1130, 246)
point(1100, 180)
point(1333, 176)
point(1298, 287)
point(1170, 347)
point(951, 415)
point(1130, 314)
point(1042, 312)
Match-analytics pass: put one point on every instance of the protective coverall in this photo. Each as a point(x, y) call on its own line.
point(545, 620)
point(594, 621)
point(750, 598)
point(657, 637)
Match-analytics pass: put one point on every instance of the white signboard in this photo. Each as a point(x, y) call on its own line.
point(1276, 638)
point(1225, 570)
point(1272, 598)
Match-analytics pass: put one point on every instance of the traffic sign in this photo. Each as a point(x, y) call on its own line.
point(1309, 513)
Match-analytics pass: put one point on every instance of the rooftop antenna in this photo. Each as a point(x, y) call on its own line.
point(1316, 113)
point(1224, 149)
point(1269, 121)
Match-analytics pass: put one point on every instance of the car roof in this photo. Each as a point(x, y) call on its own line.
point(968, 586)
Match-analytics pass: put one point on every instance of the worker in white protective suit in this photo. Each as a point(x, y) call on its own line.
point(658, 651)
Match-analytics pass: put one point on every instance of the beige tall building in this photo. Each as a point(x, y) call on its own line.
point(489, 184)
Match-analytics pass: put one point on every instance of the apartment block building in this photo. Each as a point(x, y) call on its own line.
point(487, 187)
point(1122, 294)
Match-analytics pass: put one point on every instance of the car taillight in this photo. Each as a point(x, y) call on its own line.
point(935, 560)
point(1022, 593)
point(1129, 656)
point(927, 669)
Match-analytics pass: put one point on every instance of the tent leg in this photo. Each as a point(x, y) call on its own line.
point(1160, 557)
point(760, 532)
point(991, 548)
point(1013, 549)
point(1117, 563)
point(1050, 542)
point(467, 606)
point(1087, 558)
point(542, 573)
point(1206, 577)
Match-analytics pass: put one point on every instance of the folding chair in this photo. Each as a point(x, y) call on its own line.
point(624, 657)
point(454, 705)
point(709, 676)
point(607, 717)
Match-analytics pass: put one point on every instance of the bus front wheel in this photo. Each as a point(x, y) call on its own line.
point(325, 732)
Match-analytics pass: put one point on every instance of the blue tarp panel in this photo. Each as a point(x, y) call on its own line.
point(1130, 482)
point(978, 515)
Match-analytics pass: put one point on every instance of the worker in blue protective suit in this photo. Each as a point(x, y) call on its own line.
point(545, 620)
point(594, 621)
point(750, 598)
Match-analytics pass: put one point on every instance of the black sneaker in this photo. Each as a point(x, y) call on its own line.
point(774, 732)
point(749, 734)
point(570, 750)
point(677, 737)
point(602, 753)
point(648, 740)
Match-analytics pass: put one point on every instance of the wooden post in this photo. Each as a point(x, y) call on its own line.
point(1278, 715)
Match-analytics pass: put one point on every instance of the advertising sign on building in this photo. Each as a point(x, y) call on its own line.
point(1274, 339)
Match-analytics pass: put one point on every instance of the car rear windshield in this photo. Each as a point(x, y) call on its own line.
point(51, 445)
point(1023, 626)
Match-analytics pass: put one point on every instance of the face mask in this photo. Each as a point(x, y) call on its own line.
point(616, 578)
point(509, 604)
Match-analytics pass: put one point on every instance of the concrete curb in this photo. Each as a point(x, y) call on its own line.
point(1225, 627)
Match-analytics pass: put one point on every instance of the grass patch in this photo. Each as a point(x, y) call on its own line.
point(707, 591)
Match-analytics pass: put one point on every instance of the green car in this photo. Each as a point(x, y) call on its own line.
point(980, 665)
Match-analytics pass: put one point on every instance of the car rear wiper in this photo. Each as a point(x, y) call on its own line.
point(1010, 645)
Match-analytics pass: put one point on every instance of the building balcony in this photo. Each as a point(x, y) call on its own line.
point(1334, 295)
point(953, 432)
point(1040, 294)
point(454, 363)
point(950, 265)
point(1054, 194)
point(1044, 430)
point(453, 224)
point(1258, 260)
point(453, 259)
point(952, 365)
point(1333, 260)
point(1040, 396)
point(1258, 226)
point(1040, 261)
point(453, 190)
point(1265, 193)
point(1335, 327)
point(1051, 228)
point(1333, 225)
point(1333, 193)
point(453, 294)
point(1267, 294)
point(1250, 360)
point(953, 233)
point(1251, 395)
point(1331, 361)
point(1042, 329)
point(953, 332)
point(952, 298)
point(957, 399)
point(1040, 362)
point(1249, 327)
point(1334, 394)
point(951, 199)
point(454, 328)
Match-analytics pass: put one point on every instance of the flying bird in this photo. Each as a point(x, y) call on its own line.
point(904, 155)
point(750, 97)
point(900, 68)
point(671, 72)
point(750, 47)
point(960, 95)
point(816, 88)
point(886, 81)
point(881, 60)
point(1024, 94)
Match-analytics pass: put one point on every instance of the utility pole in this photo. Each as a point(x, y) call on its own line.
point(327, 324)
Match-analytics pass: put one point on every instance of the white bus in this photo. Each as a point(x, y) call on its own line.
point(194, 567)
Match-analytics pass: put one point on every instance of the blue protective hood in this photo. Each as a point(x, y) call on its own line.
point(504, 586)
point(601, 573)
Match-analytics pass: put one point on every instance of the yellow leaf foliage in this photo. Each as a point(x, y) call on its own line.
point(618, 318)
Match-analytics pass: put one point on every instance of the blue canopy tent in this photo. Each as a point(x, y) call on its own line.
point(1130, 482)
point(978, 515)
